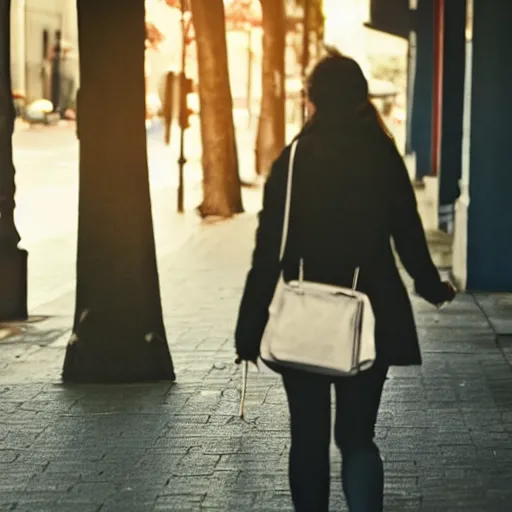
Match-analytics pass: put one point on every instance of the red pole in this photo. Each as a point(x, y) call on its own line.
point(437, 114)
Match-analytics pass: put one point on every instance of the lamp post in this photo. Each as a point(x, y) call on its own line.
point(56, 80)
point(183, 110)
point(13, 261)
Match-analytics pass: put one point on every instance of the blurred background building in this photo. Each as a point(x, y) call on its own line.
point(44, 51)
point(43, 31)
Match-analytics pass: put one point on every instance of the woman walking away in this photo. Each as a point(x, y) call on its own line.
point(351, 196)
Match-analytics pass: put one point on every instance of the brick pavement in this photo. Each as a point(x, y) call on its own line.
point(445, 429)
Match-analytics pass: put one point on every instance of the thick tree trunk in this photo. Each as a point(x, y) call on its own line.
point(8, 232)
point(119, 334)
point(13, 261)
point(222, 188)
point(271, 134)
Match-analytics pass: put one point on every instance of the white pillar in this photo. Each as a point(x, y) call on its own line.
point(70, 37)
point(18, 50)
point(460, 239)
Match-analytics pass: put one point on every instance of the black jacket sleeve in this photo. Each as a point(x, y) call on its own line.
point(409, 236)
point(264, 273)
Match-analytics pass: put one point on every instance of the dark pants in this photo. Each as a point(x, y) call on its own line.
point(357, 404)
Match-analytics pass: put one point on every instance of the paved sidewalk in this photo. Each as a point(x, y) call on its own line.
point(445, 430)
point(46, 160)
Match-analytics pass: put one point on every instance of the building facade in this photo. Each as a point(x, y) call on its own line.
point(35, 27)
point(460, 130)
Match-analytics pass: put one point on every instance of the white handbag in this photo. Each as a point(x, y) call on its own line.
point(317, 327)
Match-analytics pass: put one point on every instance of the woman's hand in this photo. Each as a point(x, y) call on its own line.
point(250, 359)
point(449, 294)
point(437, 292)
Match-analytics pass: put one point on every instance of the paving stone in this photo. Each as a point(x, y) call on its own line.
point(46, 506)
point(180, 502)
point(239, 500)
point(497, 308)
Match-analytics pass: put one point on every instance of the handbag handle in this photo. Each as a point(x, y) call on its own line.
point(286, 220)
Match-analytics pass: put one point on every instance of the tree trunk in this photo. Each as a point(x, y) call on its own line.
point(271, 134)
point(118, 333)
point(8, 232)
point(221, 185)
point(13, 261)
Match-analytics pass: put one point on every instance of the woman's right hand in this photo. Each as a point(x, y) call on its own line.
point(450, 291)
point(435, 291)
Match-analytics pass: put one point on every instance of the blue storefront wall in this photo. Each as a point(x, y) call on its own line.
point(489, 230)
point(453, 110)
point(421, 108)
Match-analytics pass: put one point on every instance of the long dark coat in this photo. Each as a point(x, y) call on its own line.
point(352, 197)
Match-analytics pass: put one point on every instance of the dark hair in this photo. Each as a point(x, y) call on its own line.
point(338, 88)
point(337, 81)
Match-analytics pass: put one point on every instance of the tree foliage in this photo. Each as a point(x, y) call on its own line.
point(316, 16)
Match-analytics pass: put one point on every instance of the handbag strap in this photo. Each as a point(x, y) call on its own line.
point(286, 220)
